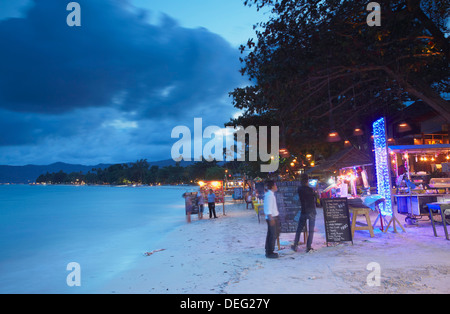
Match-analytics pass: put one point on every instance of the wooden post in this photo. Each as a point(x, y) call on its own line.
point(393, 220)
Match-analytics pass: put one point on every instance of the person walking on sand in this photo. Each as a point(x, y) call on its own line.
point(273, 225)
point(212, 204)
point(308, 212)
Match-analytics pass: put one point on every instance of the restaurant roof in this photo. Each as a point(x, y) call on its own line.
point(350, 157)
point(420, 149)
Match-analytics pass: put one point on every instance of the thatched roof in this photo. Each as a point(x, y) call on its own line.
point(349, 157)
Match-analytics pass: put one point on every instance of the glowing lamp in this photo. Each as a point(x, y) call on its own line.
point(404, 127)
point(215, 184)
point(284, 152)
point(358, 132)
point(333, 137)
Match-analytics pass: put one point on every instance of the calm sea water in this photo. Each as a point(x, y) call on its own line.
point(103, 229)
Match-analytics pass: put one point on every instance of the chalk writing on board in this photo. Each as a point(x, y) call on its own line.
point(288, 203)
point(337, 220)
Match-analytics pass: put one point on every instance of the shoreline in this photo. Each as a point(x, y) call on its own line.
point(226, 256)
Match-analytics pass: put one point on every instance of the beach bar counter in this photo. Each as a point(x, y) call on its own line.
point(421, 176)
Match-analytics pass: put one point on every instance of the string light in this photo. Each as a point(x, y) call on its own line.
point(382, 164)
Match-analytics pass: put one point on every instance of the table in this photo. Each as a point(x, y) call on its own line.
point(257, 207)
point(441, 207)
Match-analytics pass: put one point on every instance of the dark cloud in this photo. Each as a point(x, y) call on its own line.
point(114, 57)
point(110, 90)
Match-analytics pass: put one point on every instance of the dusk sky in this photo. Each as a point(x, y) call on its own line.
point(112, 90)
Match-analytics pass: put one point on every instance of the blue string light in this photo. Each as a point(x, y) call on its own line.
point(382, 164)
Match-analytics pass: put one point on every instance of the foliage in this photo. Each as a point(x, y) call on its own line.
point(317, 66)
point(139, 172)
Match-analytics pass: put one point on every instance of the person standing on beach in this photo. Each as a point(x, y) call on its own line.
point(273, 225)
point(212, 204)
point(201, 202)
point(308, 212)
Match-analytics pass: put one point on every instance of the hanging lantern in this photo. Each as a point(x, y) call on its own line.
point(404, 127)
point(333, 136)
point(358, 132)
point(284, 152)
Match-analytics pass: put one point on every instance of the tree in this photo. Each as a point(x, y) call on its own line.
point(317, 65)
point(215, 173)
point(138, 170)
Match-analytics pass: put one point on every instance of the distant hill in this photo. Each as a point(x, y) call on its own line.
point(29, 173)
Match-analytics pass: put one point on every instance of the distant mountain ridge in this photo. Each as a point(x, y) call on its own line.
point(29, 173)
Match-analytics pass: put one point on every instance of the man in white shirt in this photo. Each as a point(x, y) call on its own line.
point(273, 225)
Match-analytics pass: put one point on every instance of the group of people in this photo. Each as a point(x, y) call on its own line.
point(308, 215)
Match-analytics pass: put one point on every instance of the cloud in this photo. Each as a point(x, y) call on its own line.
point(48, 67)
point(113, 88)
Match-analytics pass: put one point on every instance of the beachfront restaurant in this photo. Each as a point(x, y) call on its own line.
point(420, 176)
point(348, 173)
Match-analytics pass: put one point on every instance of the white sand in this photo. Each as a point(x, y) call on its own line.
point(226, 256)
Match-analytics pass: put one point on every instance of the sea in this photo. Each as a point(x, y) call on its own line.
point(102, 230)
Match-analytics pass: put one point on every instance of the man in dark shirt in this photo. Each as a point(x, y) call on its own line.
point(308, 212)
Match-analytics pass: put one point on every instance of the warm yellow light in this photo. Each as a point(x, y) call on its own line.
point(312, 164)
point(357, 132)
point(308, 156)
point(215, 184)
point(292, 164)
point(201, 183)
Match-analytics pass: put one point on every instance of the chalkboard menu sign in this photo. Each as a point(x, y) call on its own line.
point(288, 203)
point(337, 220)
point(238, 193)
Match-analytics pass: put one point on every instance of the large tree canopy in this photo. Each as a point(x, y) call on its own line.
point(317, 65)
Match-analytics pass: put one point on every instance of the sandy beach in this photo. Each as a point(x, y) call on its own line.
point(226, 256)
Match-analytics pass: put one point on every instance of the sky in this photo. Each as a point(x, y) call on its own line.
point(112, 90)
